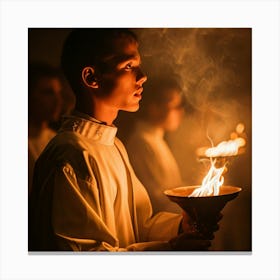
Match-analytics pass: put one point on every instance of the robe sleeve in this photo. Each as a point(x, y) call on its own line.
point(77, 218)
point(76, 215)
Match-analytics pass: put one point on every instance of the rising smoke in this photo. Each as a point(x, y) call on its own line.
point(214, 65)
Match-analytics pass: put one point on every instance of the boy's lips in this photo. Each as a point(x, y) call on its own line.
point(138, 93)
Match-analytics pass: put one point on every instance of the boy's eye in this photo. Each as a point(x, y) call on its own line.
point(128, 66)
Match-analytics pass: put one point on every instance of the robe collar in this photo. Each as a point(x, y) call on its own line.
point(89, 127)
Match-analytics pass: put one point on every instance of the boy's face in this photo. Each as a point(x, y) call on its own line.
point(121, 88)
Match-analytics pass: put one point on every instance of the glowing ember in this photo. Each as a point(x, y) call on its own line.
point(211, 183)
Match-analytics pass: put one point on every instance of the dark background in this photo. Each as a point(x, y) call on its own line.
point(214, 65)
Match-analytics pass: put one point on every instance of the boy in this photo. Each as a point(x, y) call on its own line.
point(85, 195)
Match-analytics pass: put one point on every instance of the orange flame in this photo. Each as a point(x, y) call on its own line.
point(226, 148)
point(214, 180)
point(211, 183)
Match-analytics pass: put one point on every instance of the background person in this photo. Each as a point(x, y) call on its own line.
point(162, 110)
point(44, 107)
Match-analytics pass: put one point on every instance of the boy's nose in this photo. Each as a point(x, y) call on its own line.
point(141, 77)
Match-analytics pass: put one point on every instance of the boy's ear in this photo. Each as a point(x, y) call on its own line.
point(89, 77)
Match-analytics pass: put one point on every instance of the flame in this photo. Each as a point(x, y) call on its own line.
point(230, 147)
point(214, 180)
point(211, 183)
point(226, 148)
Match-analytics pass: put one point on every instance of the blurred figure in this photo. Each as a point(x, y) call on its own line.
point(162, 111)
point(44, 107)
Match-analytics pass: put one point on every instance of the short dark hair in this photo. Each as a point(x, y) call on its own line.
point(88, 47)
point(38, 70)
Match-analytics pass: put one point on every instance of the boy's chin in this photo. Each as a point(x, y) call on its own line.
point(132, 109)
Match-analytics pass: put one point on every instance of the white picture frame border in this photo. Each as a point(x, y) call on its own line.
point(17, 16)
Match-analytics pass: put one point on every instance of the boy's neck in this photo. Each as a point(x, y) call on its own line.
point(100, 112)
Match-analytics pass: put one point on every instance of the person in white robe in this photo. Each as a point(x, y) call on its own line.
point(85, 195)
point(44, 107)
point(150, 155)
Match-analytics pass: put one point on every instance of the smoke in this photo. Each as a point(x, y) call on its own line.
point(214, 65)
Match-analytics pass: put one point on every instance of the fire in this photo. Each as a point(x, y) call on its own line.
point(214, 180)
point(226, 148)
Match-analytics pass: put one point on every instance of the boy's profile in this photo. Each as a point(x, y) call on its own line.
point(85, 195)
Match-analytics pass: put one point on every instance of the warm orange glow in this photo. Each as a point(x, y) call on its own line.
point(233, 135)
point(226, 148)
point(240, 128)
point(214, 180)
point(211, 183)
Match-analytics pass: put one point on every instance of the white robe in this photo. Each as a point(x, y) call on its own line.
point(154, 164)
point(85, 180)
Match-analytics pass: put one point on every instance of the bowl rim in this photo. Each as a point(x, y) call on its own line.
point(167, 192)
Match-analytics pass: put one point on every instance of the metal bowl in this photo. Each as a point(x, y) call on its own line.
point(203, 210)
